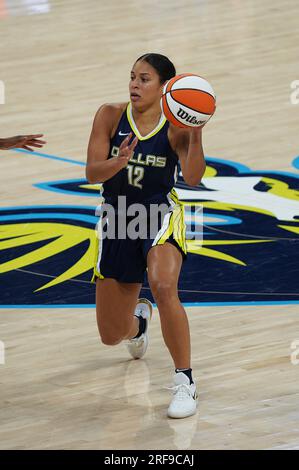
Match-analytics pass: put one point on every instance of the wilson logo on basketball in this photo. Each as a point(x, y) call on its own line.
point(188, 117)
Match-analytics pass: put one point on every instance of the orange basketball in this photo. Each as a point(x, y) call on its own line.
point(188, 100)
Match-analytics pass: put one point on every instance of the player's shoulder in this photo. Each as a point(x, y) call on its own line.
point(108, 115)
point(111, 110)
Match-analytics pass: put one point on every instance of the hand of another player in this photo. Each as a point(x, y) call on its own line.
point(22, 141)
point(126, 150)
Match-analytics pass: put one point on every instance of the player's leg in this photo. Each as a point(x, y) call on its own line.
point(120, 315)
point(164, 265)
point(115, 307)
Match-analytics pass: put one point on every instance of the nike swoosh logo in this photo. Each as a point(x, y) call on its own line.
point(121, 133)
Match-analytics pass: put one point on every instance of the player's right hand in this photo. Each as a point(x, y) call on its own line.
point(126, 150)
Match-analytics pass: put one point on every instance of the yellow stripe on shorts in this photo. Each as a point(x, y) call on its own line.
point(97, 258)
point(173, 224)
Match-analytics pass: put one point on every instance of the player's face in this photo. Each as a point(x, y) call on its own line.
point(145, 87)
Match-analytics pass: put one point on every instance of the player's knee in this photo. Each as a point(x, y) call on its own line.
point(109, 335)
point(110, 339)
point(114, 335)
point(163, 291)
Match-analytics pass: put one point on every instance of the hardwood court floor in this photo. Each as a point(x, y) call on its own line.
point(60, 388)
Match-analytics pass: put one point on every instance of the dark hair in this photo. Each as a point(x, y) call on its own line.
point(163, 66)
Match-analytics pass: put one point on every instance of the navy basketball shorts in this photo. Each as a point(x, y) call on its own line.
point(125, 258)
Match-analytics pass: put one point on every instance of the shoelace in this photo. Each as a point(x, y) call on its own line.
point(181, 390)
point(136, 340)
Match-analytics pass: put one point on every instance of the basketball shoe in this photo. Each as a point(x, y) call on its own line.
point(137, 346)
point(184, 400)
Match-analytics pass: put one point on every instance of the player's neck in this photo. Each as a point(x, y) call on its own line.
point(149, 116)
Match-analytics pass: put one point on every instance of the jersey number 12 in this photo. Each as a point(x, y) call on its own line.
point(135, 175)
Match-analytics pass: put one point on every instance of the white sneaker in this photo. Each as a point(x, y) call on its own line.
point(184, 401)
point(138, 346)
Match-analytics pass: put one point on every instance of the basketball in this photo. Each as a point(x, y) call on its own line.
point(188, 100)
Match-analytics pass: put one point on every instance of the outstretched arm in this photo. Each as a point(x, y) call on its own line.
point(22, 141)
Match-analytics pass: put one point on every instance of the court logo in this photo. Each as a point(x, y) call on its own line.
point(245, 249)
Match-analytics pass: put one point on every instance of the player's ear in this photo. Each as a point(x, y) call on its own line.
point(162, 85)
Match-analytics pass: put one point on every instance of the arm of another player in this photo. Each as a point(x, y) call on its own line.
point(191, 155)
point(99, 168)
point(22, 141)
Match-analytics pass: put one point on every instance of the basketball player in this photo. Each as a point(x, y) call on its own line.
point(22, 141)
point(134, 151)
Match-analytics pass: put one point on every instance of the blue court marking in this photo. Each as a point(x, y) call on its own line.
point(238, 166)
point(185, 304)
point(51, 215)
point(295, 163)
point(279, 173)
point(203, 304)
point(48, 187)
point(244, 169)
point(56, 206)
point(50, 306)
point(224, 219)
point(52, 157)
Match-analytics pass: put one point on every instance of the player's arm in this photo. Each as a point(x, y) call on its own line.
point(188, 146)
point(99, 168)
point(22, 141)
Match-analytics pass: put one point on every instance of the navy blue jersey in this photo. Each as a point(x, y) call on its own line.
point(151, 172)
